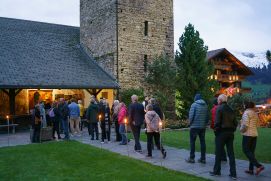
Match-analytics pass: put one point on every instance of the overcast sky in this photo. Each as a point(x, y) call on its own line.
point(241, 25)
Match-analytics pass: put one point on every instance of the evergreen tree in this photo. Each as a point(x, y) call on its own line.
point(193, 71)
point(268, 55)
point(161, 77)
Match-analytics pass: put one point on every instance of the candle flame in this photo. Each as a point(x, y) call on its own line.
point(160, 123)
point(7, 116)
point(125, 121)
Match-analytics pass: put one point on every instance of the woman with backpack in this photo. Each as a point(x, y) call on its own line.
point(152, 120)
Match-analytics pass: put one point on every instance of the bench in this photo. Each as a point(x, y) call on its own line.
point(9, 125)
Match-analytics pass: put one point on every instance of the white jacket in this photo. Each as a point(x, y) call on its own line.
point(250, 120)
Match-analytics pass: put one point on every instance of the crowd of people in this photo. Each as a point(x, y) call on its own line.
point(134, 116)
point(224, 124)
point(61, 115)
point(68, 116)
point(122, 117)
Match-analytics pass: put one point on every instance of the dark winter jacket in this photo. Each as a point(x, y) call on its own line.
point(136, 114)
point(63, 110)
point(225, 120)
point(57, 114)
point(92, 113)
point(158, 110)
point(198, 114)
point(36, 116)
point(101, 111)
point(106, 117)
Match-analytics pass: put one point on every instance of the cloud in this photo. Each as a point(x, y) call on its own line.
point(240, 25)
point(51, 11)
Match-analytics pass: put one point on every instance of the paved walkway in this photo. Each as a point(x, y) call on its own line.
point(22, 138)
point(175, 158)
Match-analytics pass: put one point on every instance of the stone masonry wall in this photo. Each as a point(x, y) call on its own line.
point(125, 54)
point(133, 45)
point(98, 26)
point(98, 31)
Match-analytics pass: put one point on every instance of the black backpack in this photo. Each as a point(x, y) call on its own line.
point(64, 110)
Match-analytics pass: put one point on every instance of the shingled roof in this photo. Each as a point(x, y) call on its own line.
point(43, 55)
point(213, 53)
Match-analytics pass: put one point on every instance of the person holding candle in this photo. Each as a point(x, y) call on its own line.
point(122, 120)
point(153, 123)
point(106, 123)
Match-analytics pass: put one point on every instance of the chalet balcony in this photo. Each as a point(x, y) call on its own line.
point(223, 67)
point(230, 91)
point(229, 78)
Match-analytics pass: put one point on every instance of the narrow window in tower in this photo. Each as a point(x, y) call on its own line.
point(146, 28)
point(145, 63)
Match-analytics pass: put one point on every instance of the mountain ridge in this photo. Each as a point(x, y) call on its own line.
point(252, 59)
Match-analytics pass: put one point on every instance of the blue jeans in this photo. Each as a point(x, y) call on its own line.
point(123, 134)
point(65, 125)
point(194, 132)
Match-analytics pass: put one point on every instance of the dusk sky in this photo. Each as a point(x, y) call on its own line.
point(241, 25)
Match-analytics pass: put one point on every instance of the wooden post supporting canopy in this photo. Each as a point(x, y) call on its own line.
point(94, 91)
point(12, 93)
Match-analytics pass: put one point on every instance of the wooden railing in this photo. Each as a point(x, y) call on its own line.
point(227, 78)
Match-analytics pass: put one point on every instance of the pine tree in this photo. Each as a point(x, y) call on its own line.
point(268, 55)
point(193, 71)
point(161, 77)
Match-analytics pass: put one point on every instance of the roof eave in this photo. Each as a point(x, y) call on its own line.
point(219, 51)
point(56, 87)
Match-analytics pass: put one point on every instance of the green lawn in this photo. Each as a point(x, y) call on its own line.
point(75, 161)
point(180, 139)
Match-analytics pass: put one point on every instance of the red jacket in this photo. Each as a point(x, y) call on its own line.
point(122, 115)
point(213, 111)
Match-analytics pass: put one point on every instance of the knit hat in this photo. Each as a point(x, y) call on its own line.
point(197, 97)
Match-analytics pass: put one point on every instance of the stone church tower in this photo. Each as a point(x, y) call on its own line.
point(125, 35)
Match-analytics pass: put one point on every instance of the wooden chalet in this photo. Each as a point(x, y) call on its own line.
point(229, 72)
